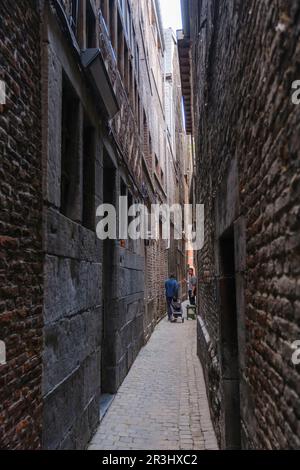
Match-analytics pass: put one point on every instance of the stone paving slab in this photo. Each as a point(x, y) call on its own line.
point(162, 403)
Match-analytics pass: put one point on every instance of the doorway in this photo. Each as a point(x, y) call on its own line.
point(108, 366)
point(229, 342)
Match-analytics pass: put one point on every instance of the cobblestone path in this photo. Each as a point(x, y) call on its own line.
point(162, 404)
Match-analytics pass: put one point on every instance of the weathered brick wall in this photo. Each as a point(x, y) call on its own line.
point(161, 276)
point(247, 138)
point(177, 153)
point(151, 91)
point(20, 226)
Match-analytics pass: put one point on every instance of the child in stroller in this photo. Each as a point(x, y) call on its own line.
point(176, 309)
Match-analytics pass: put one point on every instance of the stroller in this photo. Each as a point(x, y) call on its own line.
point(176, 309)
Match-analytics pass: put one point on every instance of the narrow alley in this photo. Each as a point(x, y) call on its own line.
point(149, 159)
point(162, 403)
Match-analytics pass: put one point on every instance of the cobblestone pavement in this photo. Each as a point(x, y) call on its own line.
point(162, 403)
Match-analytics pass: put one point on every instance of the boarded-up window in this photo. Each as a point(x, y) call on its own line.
point(88, 203)
point(69, 149)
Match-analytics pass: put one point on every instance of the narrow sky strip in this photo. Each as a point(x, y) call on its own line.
point(171, 13)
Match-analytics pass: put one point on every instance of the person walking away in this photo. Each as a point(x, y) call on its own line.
point(192, 286)
point(172, 287)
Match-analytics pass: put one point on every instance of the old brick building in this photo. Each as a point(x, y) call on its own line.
point(243, 57)
point(21, 264)
point(179, 168)
point(84, 123)
point(102, 141)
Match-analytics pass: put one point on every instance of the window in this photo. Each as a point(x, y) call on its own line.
point(69, 150)
point(74, 16)
point(123, 188)
point(146, 135)
point(125, 15)
point(126, 68)
point(128, 23)
point(135, 100)
point(121, 52)
point(156, 165)
point(113, 23)
point(137, 63)
point(229, 339)
point(90, 27)
point(122, 216)
point(147, 144)
point(105, 11)
point(131, 86)
point(88, 203)
point(150, 145)
point(139, 112)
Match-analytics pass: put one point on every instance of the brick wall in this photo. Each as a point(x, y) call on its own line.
point(177, 152)
point(20, 227)
point(247, 138)
point(134, 141)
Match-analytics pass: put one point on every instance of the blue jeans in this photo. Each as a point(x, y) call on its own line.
point(169, 301)
point(192, 298)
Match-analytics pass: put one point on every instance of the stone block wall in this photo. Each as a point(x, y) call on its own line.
point(73, 316)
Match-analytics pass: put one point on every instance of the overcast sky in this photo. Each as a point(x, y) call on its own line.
point(171, 14)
